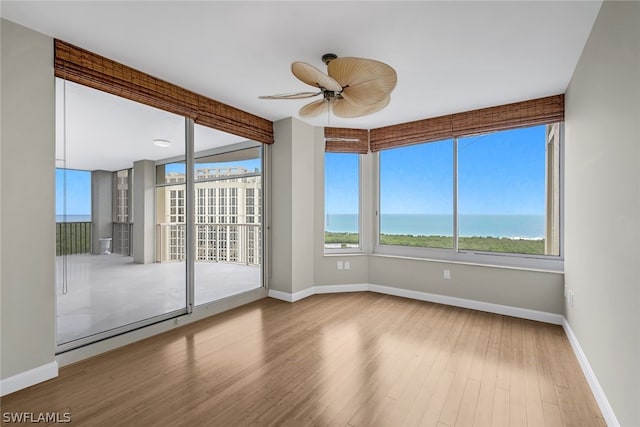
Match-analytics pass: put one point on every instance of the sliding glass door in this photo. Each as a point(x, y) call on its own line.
point(156, 215)
point(109, 279)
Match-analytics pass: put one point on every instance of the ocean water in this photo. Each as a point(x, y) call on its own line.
point(512, 226)
point(73, 218)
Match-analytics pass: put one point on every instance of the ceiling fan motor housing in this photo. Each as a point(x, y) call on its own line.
point(328, 57)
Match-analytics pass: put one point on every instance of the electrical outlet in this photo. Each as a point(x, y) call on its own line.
point(347, 265)
point(340, 265)
point(446, 274)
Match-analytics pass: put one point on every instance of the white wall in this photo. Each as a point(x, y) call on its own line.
point(101, 208)
point(28, 213)
point(602, 200)
point(144, 230)
point(292, 206)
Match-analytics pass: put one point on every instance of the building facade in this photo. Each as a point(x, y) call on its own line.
point(228, 216)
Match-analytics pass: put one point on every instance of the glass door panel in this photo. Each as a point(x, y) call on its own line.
point(115, 281)
point(228, 215)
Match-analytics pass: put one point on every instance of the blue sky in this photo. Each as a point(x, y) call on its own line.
point(499, 173)
point(78, 201)
point(78, 195)
point(341, 183)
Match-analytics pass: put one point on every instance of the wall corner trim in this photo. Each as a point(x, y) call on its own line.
point(28, 378)
point(523, 313)
point(594, 384)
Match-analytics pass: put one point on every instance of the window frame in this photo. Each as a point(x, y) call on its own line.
point(553, 263)
point(353, 250)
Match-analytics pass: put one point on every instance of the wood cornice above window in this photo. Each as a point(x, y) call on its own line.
point(343, 140)
point(426, 130)
point(503, 117)
point(519, 114)
point(89, 69)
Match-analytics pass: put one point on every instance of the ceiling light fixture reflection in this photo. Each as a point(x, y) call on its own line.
point(162, 143)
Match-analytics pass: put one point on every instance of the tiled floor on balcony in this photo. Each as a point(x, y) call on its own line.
point(109, 291)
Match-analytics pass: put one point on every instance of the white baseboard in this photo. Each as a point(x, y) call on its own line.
point(297, 296)
point(313, 290)
point(335, 289)
point(523, 313)
point(283, 296)
point(596, 389)
point(28, 378)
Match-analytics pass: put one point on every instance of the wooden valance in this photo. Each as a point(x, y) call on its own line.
point(86, 68)
point(503, 117)
point(427, 130)
point(355, 140)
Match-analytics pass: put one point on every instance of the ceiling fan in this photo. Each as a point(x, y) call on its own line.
point(354, 87)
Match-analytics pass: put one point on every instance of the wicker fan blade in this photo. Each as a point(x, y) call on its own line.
point(297, 95)
point(314, 108)
point(314, 77)
point(365, 81)
point(345, 109)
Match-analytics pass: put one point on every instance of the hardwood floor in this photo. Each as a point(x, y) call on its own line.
point(360, 359)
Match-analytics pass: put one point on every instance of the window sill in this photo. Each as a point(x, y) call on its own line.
point(482, 259)
point(344, 251)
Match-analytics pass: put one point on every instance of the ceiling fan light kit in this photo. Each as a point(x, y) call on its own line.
point(352, 87)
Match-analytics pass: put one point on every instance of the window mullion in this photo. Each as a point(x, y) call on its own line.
point(189, 212)
point(455, 195)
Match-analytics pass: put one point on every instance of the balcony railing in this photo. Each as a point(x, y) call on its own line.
point(73, 238)
point(234, 243)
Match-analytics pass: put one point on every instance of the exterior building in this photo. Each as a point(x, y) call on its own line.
point(228, 216)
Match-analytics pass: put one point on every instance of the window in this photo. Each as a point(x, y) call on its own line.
point(342, 200)
point(502, 191)
point(416, 195)
point(250, 205)
point(491, 193)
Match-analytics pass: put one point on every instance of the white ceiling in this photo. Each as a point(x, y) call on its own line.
point(99, 131)
point(449, 56)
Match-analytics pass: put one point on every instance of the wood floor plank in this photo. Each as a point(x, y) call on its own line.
point(428, 351)
point(517, 399)
point(464, 358)
point(484, 410)
point(500, 415)
point(552, 416)
point(535, 416)
point(357, 359)
point(466, 415)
